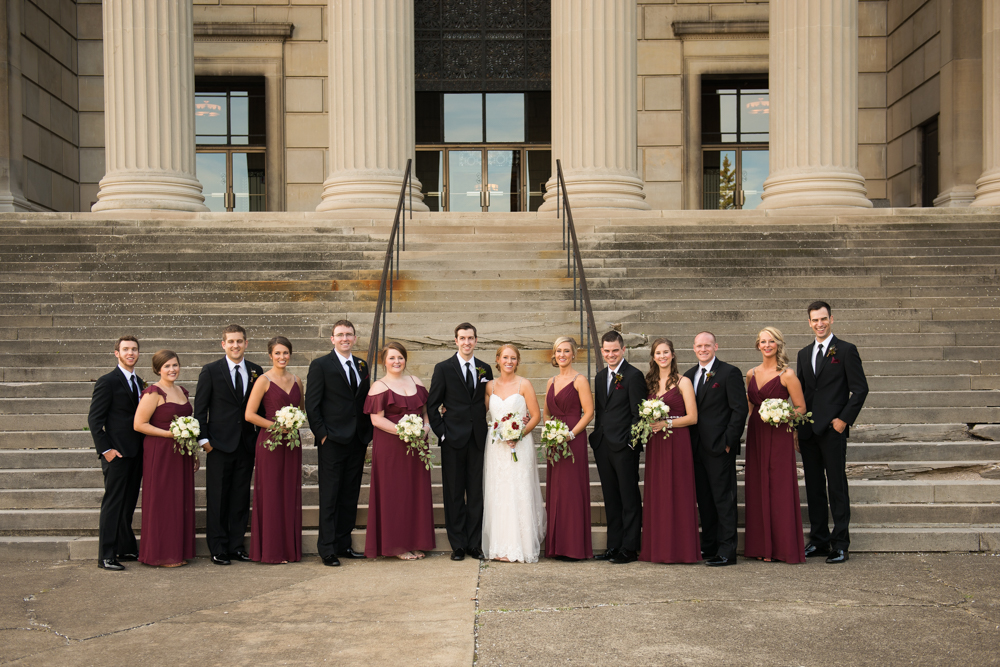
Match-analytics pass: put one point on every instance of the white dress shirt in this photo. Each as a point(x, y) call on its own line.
point(611, 373)
point(243, 371)
point(349, 369)
point(826, 349)
point(472, 367)
point(704, 369)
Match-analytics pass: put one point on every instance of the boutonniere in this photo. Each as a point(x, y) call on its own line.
point(253, 376)
point(832, 351)
point(709, 375)
point(481, 372)
point(362, 366)
point(618, 380)
point(144, 384)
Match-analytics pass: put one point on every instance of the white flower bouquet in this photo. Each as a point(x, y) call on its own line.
point(185, 431)
point(650, 411)
point(555, 439)
point(777, 411)
point(509, 429)
point(410, 429)
point(287, 422)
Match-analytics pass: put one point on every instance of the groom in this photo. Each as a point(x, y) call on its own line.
point(459, 385)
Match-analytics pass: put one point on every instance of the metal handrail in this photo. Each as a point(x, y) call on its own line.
point(399, 241)
point(574, 264)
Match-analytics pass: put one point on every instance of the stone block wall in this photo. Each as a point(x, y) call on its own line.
point(50, 128)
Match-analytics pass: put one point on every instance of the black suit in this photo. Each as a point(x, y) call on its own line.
point(111, 419)
point(337, 412)
point(617, 462)
point(722, 416)
point(837, 390)
point(461, 433)
point(221, 414)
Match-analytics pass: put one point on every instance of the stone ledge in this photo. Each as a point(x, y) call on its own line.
point(243, 32)
point(720, 29)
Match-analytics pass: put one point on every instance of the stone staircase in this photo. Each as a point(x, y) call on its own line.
point(917, 293)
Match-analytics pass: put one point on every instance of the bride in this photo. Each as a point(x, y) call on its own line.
point(513, 516)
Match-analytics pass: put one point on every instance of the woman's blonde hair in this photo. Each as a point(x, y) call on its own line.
point(780, 356)
point(560, 341)
point(511, 346)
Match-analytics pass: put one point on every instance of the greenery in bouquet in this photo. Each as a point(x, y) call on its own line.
point(777, 411)
point(650, 411)
point(287, 422)
point(410, 430)
point(556, 436)
point(509, 429)
point(185, 431)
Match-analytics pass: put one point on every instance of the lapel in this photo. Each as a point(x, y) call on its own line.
point(128, 389)
point(228, 379)
point(703, 391)
point(609, 387)
point(807, 371)
point(338, 367)
point(357, 369)
point(460, 369)
point(825, 361)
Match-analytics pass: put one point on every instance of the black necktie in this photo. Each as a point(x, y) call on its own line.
point(819, 357)
point(238, 382)
point(701, 382)
point(135, 389)
point(469, 381)
point(350, 376)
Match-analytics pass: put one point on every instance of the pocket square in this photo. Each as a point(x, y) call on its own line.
point(716, 385)
point(834, 360)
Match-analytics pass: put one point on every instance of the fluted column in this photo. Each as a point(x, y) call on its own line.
point(988, 185)
point(149, 107)
point(371, 105)
point(814, 105)
point(594, 104)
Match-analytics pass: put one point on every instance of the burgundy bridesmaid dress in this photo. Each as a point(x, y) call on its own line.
point(669, 509)
point(400, 510)
point(276, 522)
point(567, 484)
point(167, 491)
point(773, 509)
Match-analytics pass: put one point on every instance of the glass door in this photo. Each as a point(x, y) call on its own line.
point(465, 181)
point(453, 179)
point(503, 181)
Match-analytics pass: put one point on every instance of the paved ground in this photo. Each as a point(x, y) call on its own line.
point(897, 609)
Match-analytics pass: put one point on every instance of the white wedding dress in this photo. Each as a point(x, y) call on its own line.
point(513, 514)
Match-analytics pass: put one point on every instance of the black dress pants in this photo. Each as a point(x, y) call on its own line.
point(227, 498)
point(122, 480)
point(619, 471)
point(715, 488)
point(340, 471)
point(824, 461)
point(462, 484)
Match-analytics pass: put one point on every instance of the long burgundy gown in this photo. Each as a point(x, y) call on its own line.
point(276, 522)
point(167, 491)
point(400, 510)
point(773, 510)
point(567, 484)
point(669, 508)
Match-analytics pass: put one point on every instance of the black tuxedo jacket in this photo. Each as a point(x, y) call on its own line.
point(337, 412)
point(617, 411)
point(722, 409)
point(465, 415)
point(219, 411)
point(112, 415)
point(837, 389)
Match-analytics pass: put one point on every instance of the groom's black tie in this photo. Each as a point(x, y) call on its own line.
point(352, 377)
point(470, 381)
point(819, 357)
point(135, 389)
point(238, 382)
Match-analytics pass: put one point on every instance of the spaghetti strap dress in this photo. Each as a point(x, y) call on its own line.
point(567, 484)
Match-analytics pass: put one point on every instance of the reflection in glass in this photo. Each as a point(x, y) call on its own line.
point(465, 180)
point(239, 109)
point(754, 169)
point(504, 117)
point(429, 170)
point(504, 180)
point(719, 180)
point(463, 117)
point(211, 118)
point(248, 182)
point(210, 168)
point(539, 172)
point(754, 115)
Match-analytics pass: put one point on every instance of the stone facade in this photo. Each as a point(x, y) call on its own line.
point(919, 66)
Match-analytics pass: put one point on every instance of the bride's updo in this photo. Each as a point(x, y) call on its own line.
point(508, 346)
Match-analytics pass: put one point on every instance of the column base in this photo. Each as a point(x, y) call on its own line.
point(150, 191)
point(598, 189)
point(988, 189)
point(368, 190)
point(958, 196)
point(807, 189)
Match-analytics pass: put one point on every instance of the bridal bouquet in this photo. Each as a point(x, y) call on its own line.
point(555, 441)
point(287, 422)
point(509, 429)
point(186, 431)
point(776, 411)
point(650, 412)
point(410, 429)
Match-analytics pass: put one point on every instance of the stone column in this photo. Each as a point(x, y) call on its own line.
point(149, 107)
point(814, 105)
point(371, 105)
point(594, 104)
point(988, 185)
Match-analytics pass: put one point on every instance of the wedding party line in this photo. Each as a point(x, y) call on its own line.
point(689, 424)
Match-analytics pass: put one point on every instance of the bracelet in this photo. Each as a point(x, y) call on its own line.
point(670, 423)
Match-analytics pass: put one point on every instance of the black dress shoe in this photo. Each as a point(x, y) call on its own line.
point(350, 553)
point(606, 555)
point(331, 561)
point(110, 564)
point(458, 554)
point(813, 551)
point(221, 560)
point(624, 556)
point(838, 556)
point(705, 555)
point(240, 555)
point(721, 561)
point(127, 557)
point(476, 552)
